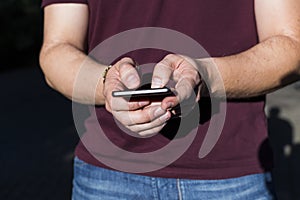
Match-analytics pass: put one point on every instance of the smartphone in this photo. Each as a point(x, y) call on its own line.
point(151, 92)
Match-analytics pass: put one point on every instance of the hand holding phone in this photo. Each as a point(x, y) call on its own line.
point(143, 92)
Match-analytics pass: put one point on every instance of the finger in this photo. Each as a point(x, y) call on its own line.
point(128, 73)
point(151, 132)
point(182, 110)
point(140, 116)
point(184, 91)
point(163, 71)
point(120, 104)
point(169, 102)
point(151, 125)
point(112, 83)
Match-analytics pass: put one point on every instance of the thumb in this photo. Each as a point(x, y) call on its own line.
point(128, 73)
point(163, 72)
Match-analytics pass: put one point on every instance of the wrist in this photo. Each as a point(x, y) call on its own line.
point(212, 82)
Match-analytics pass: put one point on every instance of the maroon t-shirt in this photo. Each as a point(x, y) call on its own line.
point(222, 28)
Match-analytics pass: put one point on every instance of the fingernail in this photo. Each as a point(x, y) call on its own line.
point(170, 105)
point(132, 79)
point(156, 83)
point(159, 112)
point(165, 117)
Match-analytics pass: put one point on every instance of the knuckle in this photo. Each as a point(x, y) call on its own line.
point(123, 66)
point(140, 118)
point(132, 128)
point(147, 134)
point(151, 113)
point(106, 104)
point(126, 59)
point(123, 120)
point(195, 76)
point(191, 75)
point(163, 64)
point(133, 105)
point(125, 63)
point(107, 107)
point(170, 56)
point(195, 73)
point(145, 117)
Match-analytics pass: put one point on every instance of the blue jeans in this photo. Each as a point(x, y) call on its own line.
point(94, 183)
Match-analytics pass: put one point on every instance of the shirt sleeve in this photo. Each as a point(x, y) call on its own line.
point(48, 2)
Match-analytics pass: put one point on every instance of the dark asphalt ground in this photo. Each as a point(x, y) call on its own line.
point(38, 138)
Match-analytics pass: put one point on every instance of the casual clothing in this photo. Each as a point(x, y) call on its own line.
point(95, 183)
point(223, 28)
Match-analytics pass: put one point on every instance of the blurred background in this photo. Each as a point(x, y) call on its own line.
point(21, 33)
point(38, 137)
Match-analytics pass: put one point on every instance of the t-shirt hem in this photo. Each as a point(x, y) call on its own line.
point(49, 2)
point(196, 174)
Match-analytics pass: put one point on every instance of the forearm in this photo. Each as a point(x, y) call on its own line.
point(69, 71)
point(267, 66)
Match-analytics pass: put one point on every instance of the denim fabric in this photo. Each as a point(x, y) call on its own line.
point(94, 183)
